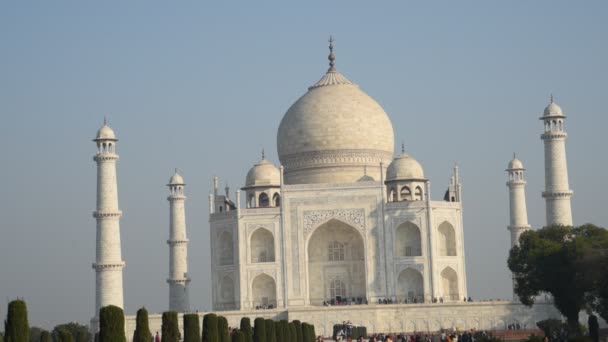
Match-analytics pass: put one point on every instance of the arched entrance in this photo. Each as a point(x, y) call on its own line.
point(449, 281)
point(226, 293)
point(336, 264)
point(447, 240)
point(410, 286)
point(262, 246)
point(407, 240)
point(264, 291)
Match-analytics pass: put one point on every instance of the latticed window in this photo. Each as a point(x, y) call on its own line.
point(337, 288)
point(336, 251)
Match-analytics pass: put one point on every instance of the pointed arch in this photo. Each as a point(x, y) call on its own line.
point(276, 200)
point(449, 281)
point(264, 291)
point(410, 286)
point(418, 193)
point(447, 239)
point(408, 240)
point(406, 193)
point(262, 246)
point(226, 291)
point(263, 200)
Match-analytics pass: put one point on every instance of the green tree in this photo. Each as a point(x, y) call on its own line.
point(222, 327)
point(192, 328)
point(80, 332)
point(246, 329)
point(238, 336)
point(35, 334)
point(594, 328)
point(169, 327)
point(298, 325)
point(63, 335)
point(270, 331)
point(111, 324)
point(210, 333)
point(292, 331)
point(259, 330)
point(45, 336)
point(305, 332)
point(16, 327)
point(556, 260)
point(142, 328)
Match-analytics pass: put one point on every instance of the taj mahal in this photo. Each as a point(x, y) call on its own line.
point(341, 227)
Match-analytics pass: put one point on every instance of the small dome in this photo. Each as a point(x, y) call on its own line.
point(105, 133)
point(176, 179)
point(553, 110)
point(515, 164)
point(404, 167)
point(263, 173)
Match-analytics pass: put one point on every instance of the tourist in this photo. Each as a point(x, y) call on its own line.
point(157, 338)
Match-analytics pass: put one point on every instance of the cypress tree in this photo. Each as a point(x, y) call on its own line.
point(210, 328)
point(222, 327)
point(298, 325)
point(142, 329)
point(259, 330)
point(192, 328)
point(169, 328)
point(239, 336)
point(45, 336)
point(292, 331)
point(270, 331)
point(16, 327)
point(277, 331)
point(111, 324)
point(246, 329)
point(313, 334)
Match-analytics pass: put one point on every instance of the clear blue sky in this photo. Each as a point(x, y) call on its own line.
point(203, 86)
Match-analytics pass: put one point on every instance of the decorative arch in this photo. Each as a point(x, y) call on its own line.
point(410, 286)
point(449, 281)
point(276, 200)
point(263, 200)
point(227, 290)
point(408, 241)
point(418, 193)
point(251, 201)
point(392, 195)
point(226, 250)
point(322, 270)
point(447, 239)
point(264, 291)
point(262, 246)
point(406, 193)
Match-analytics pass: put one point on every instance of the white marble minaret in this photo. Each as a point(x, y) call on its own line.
point(178, 247)
point(557, 191)
point(517, 203)
point(108, 260)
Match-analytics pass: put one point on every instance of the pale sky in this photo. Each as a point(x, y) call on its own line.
point(203, 87)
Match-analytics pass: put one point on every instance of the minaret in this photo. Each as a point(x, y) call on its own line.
point(178, 247)
point(517, 204)
point(108, 260)
point(557, 191)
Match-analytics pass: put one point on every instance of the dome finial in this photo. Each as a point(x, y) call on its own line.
point(263, 155)
point(331, 56)
point(105, 120)
point(514, 157)
point(402, 147)
point(551, 98)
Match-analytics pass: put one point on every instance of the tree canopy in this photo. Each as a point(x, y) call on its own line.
point(565, 262)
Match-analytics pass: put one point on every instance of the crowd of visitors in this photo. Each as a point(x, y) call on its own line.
point(442, 336)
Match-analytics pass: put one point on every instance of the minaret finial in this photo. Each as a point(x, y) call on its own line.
point(402, 147)
point(105, 120)
point(263, 155)
point(331, 56)
point(514, 155)
point(551, 98)
point(176, 170)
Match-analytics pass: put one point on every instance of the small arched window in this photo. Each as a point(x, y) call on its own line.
point(264, 201)
point(561, 125)
point(337, 289)
point(251, 201)
point(276, 200)
point(336, 251)
point(418, 193)
point(406, 194)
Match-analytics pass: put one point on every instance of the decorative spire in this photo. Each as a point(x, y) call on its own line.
point(331, 56)
point(263, 155)
point(402, 147)
point(176, 170)
point(105, 120)
point(551, 98)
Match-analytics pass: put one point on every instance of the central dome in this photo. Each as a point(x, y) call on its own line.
point(335, 133)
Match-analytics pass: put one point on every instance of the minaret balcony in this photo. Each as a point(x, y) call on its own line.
point(557, 194)
point(107, 214)
point(101, 266)
point(553, 135)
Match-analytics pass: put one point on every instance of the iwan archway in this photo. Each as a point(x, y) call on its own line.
point(336, 264)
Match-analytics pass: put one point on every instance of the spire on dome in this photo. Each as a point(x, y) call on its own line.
point(331, 56)
point(551, 98)
point(402, 147)
point(105, 120)
point(263, 155)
